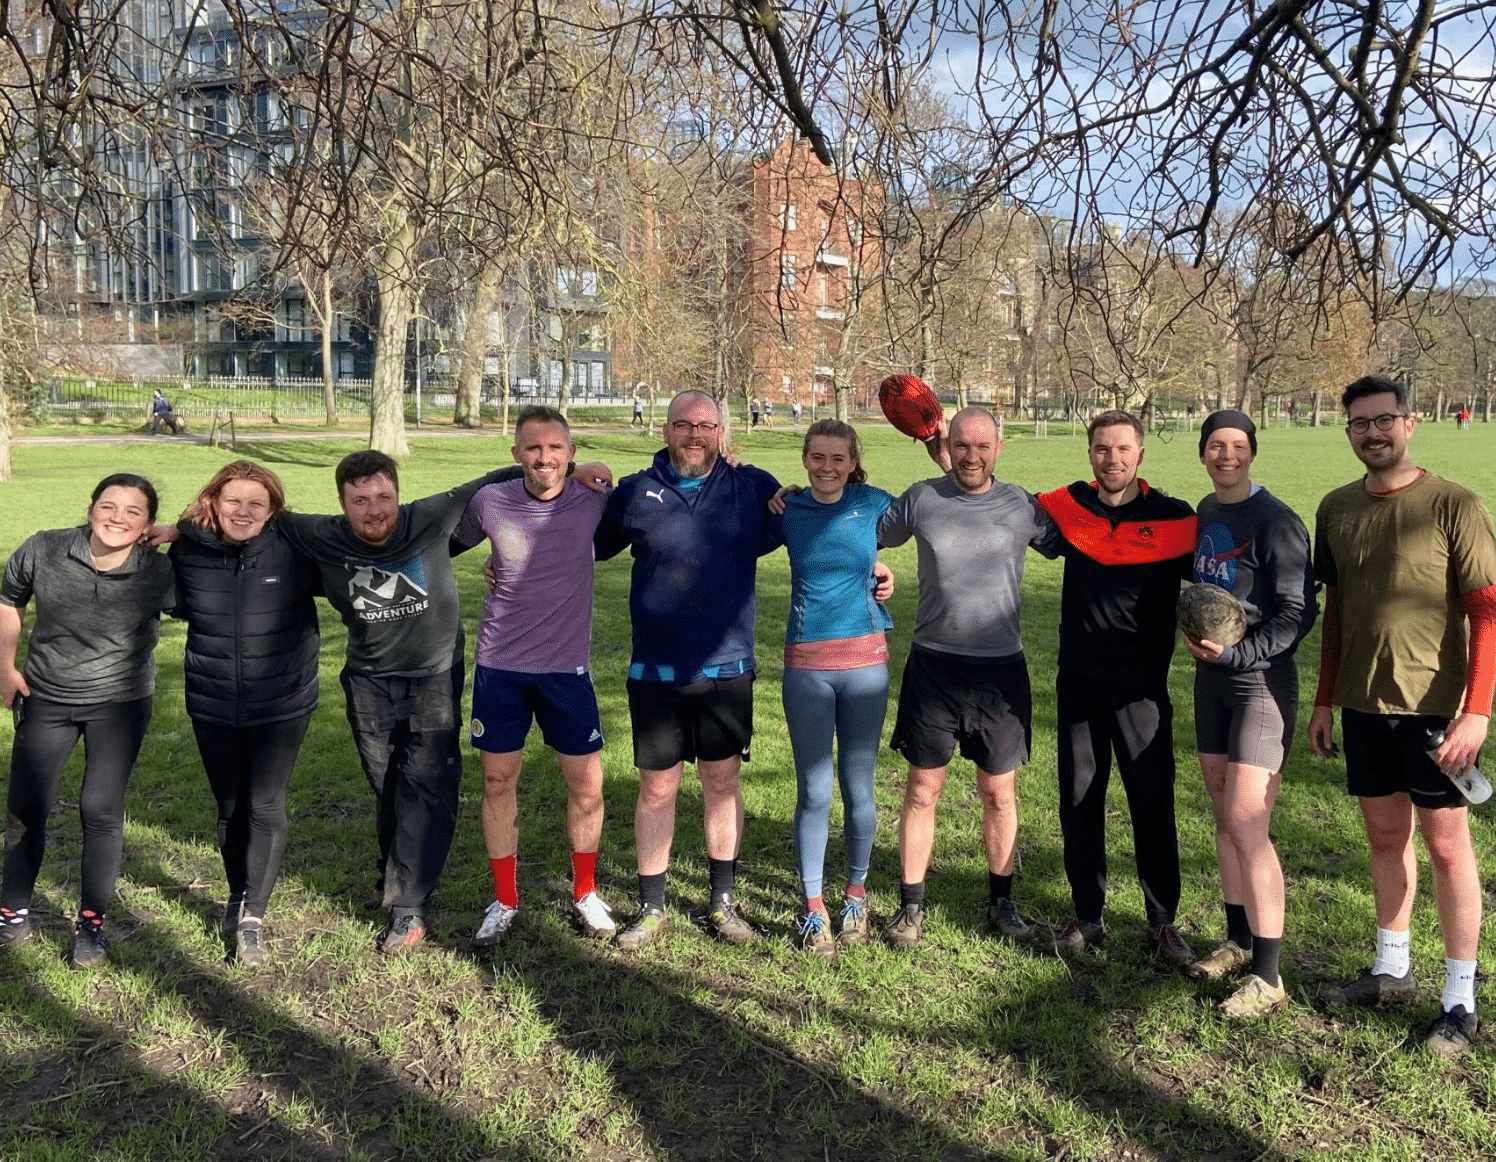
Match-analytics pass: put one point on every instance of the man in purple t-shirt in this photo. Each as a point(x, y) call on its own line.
point(532, 659)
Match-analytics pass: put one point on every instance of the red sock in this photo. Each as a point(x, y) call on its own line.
point(815, 904)
point(583, 873)
point(505, 890)
point(856, 891)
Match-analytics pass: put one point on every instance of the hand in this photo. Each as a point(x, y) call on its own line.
point(594, 475)
point(158, 535)
point(13, 682)
point(1206, 651)
point(776, 502)
point(1322, 733)
point(883, 575)
point(1462, 742)
point(490, 571)
point(938, 447)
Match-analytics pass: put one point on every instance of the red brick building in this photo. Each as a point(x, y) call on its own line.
point(814, 239)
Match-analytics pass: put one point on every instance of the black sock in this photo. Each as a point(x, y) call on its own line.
point(1265, 957)
point(912, 894)
point(1238, 931)
point(652, 890)
point(723, 873)
point(999, 887)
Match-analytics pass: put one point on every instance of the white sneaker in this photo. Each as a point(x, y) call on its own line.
point(496, 924)
point(595, 917)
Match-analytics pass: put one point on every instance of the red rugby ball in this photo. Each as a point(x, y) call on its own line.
point(910, 406)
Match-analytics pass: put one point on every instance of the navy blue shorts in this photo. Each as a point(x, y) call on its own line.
point(505, 702)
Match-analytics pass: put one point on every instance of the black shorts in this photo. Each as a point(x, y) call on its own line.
point(982, 704)
point(1248, 716)
point(1384, 755)
point(705, 721)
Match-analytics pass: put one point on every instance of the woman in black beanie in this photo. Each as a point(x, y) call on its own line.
point(1256, 548)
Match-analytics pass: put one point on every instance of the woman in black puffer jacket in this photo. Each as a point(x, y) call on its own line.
point(251, 675)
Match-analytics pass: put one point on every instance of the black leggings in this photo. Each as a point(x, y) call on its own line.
point(249, 769)
point(112, 733)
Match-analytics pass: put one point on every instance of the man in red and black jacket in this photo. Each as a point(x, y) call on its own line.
point(1127, 547)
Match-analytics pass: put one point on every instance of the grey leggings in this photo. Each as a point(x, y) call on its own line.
point(847, 705)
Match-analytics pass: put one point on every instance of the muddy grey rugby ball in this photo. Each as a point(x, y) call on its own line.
point(1207, 613)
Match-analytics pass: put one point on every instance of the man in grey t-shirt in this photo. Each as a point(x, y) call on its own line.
point(965, 682)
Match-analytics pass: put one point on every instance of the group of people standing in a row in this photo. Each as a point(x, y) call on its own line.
point(1405, 558)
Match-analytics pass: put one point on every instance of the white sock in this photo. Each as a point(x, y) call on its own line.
point(1459, 985)
point(1392, 953)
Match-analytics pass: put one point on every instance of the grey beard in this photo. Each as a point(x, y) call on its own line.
point(692, 471)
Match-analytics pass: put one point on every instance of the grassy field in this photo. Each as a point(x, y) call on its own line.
point(558, 1049)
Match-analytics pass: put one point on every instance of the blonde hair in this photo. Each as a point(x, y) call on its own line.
point(200, 512)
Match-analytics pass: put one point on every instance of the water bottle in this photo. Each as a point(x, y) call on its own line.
point(1472, 784)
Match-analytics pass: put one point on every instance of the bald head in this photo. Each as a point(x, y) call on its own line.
point(693, 433)
point(974, 447)
point(979, 416)
point(693, 401)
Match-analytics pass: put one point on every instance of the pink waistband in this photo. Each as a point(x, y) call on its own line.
point(843, 653)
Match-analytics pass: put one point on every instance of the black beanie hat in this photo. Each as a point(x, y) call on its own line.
point(1229, 418)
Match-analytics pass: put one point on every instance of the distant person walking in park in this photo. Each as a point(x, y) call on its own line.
point(755, 409)
point(835, 686)
point(98, 594)
point(251, 672)
point(163, 415)
point(768, 413)
point(1464, 419)
point(696, 528)
point(1407, 558)
point(965, 680)
point(533, 660)
point(795, 410)
point(638, 418)
point(1127, 547)
point(1256, 548)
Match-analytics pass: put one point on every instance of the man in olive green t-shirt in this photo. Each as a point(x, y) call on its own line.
point(1406, 558)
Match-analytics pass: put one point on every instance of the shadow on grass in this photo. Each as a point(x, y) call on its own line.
point(706, 1085)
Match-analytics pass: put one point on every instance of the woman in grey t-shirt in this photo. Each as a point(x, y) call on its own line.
point(90, 673)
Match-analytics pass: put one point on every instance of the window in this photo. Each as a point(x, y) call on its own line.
point(294, 311)
point(787, 273)
point(570, 281)
point(789, 216)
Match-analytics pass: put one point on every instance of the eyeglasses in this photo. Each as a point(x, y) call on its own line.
point(1361, 425)
point(686, 427)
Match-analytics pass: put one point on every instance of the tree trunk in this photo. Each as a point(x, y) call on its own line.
point(1438, 407)
point(393, 274)
point(504, 393)
point(926, 332)
point(329, 392)
point(474, 356)
point(565, 391)
point(1318, 395)
point(4, 433)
